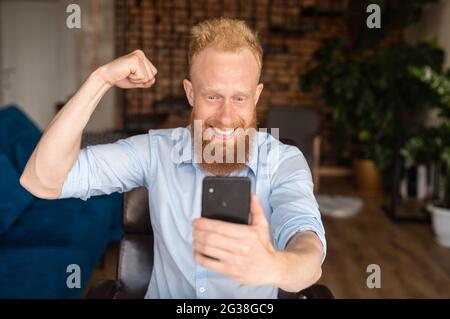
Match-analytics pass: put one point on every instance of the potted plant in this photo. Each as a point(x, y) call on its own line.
point(374, 98)
point(432, 145)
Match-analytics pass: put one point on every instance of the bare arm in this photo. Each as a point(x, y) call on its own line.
point(59, 146)
point(300, 262)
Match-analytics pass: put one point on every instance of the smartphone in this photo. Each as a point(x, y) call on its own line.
point(226, 198)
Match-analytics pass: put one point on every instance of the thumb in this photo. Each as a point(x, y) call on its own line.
point(257, 212)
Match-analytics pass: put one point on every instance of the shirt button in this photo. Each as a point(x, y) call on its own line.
point(201, 289)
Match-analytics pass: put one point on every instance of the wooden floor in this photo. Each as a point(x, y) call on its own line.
point(412, 264)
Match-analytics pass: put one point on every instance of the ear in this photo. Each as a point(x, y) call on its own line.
point(259, 89)
point(189, 91)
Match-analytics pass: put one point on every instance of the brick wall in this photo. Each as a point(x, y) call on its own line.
point(161, 28)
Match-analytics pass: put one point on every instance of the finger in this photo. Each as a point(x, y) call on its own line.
point(150, 68)
point(138, 72)
point(137, 80)
point(127, 83)
point(210, 264)
point(153, 68)
point(144, 85)
point(212, 252)
point(148, 83)
point(144, 65)
point(221, 227)
point(216, 240)
point(138, 76)
point(147, 73)
point(257, 212)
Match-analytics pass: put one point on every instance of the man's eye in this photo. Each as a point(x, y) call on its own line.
point(211, 97)
point(240, 99)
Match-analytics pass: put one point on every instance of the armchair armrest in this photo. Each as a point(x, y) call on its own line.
point(316, 162)
point(109, 289)
point(104, 289)
point(316, 291)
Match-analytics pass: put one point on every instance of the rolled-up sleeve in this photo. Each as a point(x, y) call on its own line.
point(294, 207)
point(108, 168)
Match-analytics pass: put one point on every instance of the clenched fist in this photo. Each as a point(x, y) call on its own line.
point(133, 70)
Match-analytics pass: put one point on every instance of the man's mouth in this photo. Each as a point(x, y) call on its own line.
point(223, 134)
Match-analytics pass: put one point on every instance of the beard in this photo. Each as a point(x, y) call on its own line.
point(222, 157)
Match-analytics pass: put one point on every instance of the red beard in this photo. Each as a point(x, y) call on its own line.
point(222, 157)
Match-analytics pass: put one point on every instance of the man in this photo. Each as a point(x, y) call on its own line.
point(283, 247)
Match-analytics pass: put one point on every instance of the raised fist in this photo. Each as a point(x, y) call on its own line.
point(133, 70)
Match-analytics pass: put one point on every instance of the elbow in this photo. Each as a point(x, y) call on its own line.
point(24, 182)
point(318, 275)
point(36, 189)
point(304, 283)
point(313, 279)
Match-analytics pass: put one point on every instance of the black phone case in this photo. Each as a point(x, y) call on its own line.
point(226, 198)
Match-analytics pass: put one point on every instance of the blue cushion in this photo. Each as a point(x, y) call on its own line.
point(13, 197)
point(40, 238)
point(42, 272)
point(61, 223)
point(18, 136)
point(50, 235)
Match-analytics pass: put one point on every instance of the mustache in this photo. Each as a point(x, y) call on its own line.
point(215, 123)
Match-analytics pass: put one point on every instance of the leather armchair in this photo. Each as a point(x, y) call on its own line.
point(136, 257)
point(299, 126)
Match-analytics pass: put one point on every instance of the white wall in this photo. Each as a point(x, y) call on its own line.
point(29, 43)
point(104, 116)
point(435, 24)
point(43, 48)
point(1, 58)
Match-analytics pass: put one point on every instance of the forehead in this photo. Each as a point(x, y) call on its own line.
point(212, 67)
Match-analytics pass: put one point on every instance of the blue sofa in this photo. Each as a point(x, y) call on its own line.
point(39, 238)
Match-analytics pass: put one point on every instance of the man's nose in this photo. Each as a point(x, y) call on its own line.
point(225, 115)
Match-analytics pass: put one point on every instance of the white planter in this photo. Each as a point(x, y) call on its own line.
point(440, 218)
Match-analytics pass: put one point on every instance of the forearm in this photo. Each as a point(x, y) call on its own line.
point(59, 146)
point(299, 265)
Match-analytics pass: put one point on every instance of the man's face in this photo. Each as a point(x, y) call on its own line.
point(223, 92)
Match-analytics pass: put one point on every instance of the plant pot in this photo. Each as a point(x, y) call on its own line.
point(367, 177)
point(440, 218)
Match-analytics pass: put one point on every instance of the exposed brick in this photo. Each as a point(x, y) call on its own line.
point(162, 31)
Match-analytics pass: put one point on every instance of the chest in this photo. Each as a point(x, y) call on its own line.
point(176, 195)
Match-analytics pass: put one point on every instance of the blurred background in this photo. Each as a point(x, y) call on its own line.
point(363, 91)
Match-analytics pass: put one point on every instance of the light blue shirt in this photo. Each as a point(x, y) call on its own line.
point(163, 162)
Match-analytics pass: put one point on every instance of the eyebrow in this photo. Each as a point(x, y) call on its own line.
point(208, 90)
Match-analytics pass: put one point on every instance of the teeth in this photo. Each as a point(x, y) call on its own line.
point(223, 132)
